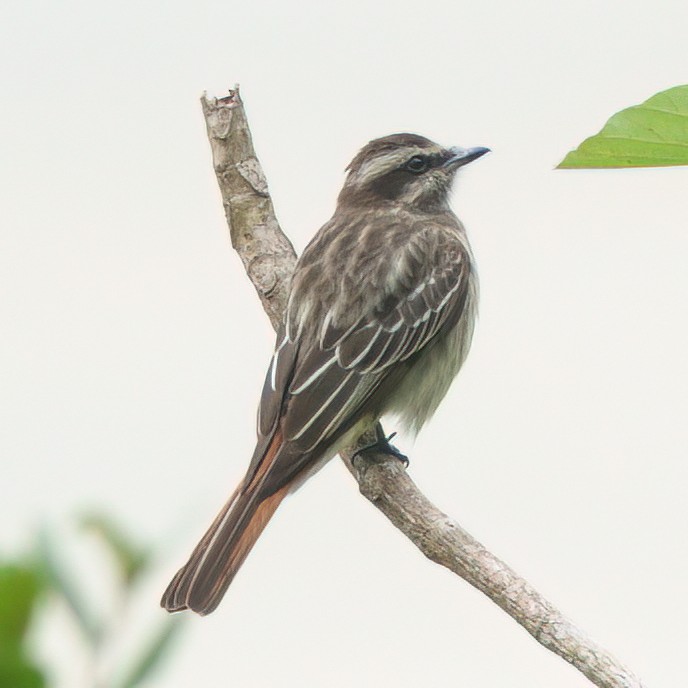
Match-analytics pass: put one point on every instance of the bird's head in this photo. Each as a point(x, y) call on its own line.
point(405, 168)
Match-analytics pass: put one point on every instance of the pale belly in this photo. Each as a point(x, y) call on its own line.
point(426, 383)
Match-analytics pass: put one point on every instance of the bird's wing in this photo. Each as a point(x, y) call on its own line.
point(323, 372)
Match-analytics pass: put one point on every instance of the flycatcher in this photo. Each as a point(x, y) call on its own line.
point(379, 320)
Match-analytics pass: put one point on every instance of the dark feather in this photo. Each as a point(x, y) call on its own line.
point(338, 362)
point(202, 582)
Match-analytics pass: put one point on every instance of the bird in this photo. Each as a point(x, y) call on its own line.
point(380, 316)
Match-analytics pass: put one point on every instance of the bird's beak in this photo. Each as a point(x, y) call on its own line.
point(462, 156)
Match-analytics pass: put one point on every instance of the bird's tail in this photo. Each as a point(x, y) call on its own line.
point(202, 582)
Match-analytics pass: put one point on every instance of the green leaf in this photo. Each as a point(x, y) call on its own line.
point(652, 134)
point(154, 653)
point(18, 672)
point(132, 559)
point(19, 589)
point(58, 578)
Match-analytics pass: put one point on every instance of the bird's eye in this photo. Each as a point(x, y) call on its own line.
point(417, 164)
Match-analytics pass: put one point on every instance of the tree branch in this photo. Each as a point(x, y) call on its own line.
point(269, 259)
point(268, 256)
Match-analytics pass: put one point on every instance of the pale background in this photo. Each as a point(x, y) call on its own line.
point(133, 347)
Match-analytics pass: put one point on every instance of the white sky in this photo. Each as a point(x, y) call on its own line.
point(133, 348)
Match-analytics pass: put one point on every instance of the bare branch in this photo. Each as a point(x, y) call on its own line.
point(267, 254)
point(269, 259)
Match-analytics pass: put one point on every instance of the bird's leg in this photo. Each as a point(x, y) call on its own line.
point(383, 446)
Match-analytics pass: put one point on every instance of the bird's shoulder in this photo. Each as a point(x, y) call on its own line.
point(369, 263)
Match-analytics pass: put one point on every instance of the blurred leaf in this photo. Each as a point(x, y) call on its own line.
point(63, 584)
point(133, 560)
point(18, 672)
point(652, 134)
point(19, 588)
point(154, 653)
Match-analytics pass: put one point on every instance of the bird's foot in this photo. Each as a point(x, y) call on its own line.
point(383, 446)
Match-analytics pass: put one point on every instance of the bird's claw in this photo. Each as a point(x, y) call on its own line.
point(383, 446)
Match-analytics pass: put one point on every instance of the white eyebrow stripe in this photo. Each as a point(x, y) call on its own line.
point(327, 402)
point(377, 166)
point(314, 376)
point(273, 363)
point(385, 162)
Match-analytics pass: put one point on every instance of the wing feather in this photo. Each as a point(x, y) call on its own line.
point(334, 354)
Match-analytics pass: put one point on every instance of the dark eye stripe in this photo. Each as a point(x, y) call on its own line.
point(417, 164)
point(434, 160)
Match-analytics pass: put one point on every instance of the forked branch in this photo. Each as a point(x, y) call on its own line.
point(269, 259)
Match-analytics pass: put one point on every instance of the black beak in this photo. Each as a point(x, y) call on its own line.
point(462, 156)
